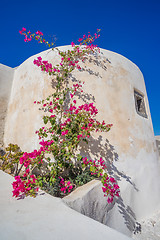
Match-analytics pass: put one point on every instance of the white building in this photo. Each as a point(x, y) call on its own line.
point(118, 88)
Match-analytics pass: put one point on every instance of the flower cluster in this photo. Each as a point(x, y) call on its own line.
point(31, 158)
point(25, 187)
point(65, 186)
point(45, 66)
point(102, 164)
point(110, 188)
point(28, 36)
point(88, 40)
point(95, 167)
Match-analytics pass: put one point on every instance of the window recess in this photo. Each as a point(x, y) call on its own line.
point(140, 104)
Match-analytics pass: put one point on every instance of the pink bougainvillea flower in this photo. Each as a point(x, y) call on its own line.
point(112, 180)
point(110, 200)
point(23, 29)
point(52, 116)
point(15, 193)
point(27, 170)
point(64, 133)
point(39, 58)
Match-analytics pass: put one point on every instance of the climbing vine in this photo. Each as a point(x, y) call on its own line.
point(66, 125)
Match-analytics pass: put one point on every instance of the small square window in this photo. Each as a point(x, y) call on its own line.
point(139, 103)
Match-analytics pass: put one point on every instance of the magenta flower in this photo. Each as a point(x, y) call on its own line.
point(64, 133)
point(39, 33)
point(68, 183)
point(27, 170)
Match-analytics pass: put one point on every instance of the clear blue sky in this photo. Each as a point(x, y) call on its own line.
point(130, 28)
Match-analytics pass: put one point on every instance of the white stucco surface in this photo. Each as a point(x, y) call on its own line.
point(6, 78)
point(90, 201)
point(129, 148)
point(45, 217)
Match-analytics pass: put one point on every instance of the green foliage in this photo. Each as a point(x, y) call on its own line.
point(84, 178)
point(9, 162)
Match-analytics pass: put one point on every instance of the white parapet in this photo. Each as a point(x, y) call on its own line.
point(46, 217)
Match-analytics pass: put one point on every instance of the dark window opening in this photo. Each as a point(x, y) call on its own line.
point(140, 104)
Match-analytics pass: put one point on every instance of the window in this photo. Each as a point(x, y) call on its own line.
point(139, 103)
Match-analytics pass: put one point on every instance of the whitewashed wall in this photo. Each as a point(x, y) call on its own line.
point(129, 146)
point(6, 78)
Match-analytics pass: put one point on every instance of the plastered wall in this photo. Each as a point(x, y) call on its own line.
point(6, 78)
point(129, 148)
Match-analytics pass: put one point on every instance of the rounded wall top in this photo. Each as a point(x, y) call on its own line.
point(120, 64)
point(110, 55)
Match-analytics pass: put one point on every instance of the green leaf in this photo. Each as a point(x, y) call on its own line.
point(61, 101)
point(45, 135)
point(45, 120)
point(52, 121)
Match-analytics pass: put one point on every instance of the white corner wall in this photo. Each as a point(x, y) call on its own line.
point(6, 78)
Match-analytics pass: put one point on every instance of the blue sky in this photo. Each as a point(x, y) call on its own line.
point(130, 28)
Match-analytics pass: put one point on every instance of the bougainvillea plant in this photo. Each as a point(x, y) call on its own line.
point(66, 125)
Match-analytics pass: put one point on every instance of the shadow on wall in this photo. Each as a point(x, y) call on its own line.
point(93, 150)
point(101, 147)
